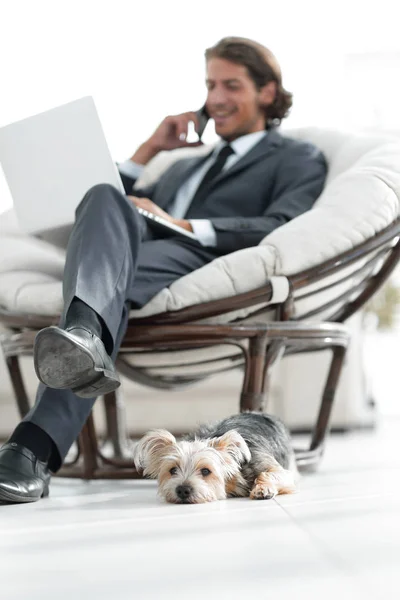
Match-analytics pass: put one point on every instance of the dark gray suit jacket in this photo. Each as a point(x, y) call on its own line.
point(277, 180)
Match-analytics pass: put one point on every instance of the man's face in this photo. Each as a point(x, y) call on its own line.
point(233, 100)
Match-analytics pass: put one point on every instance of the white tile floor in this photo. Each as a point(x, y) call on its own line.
point(338, 537)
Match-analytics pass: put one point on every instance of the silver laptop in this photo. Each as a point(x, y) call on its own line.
point(52, 159)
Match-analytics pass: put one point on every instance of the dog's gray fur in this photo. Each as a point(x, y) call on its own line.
point(265, 436)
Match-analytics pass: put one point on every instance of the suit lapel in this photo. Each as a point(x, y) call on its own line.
point(178, 173)
point(182, 169)
point(266, 146)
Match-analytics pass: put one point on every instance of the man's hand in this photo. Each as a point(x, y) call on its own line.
point(173, 131)
point(150, 206)
point(169, 135)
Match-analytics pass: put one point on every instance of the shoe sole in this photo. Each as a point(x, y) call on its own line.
point(61, 363)
point(6, 496)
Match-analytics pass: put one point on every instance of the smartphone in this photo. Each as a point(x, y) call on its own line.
point(203, 118)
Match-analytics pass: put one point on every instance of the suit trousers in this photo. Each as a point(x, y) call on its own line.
point(113, 262)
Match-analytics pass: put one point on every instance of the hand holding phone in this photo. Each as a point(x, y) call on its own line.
point(173, 133)
point(202, 120)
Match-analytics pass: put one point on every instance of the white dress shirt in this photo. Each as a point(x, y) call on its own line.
point(202, 228)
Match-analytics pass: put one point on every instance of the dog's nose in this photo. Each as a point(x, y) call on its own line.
point(183, 492)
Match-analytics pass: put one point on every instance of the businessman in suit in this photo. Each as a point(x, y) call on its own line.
point(252, 182)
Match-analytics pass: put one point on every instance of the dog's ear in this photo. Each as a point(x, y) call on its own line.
point(151, 449)
point(232, 444)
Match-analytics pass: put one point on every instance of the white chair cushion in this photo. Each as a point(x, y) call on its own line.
point(361, 197)
point(9, 224)
point(18, 251)
point(31, 292)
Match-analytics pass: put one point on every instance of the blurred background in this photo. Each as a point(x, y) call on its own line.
point(143, 60)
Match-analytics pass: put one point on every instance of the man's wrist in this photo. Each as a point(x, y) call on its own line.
point(144, 154)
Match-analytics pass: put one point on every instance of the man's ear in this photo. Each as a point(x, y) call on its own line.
point(233, 445)
point(267, 93)
point(150, 451)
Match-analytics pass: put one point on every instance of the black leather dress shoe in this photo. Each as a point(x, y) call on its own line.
point(23, 477)
point(74, 359)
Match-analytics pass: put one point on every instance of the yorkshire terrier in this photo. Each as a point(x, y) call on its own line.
point(249, 454)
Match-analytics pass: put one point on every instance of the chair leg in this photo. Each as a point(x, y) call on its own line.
point(309, 459)
point(88, 441)
point(252, 397)
point(260, 362)
point(273, 355)
point(91, 463)
point(322, 424)
point(86, 465)
point(116, 424)
point(18, 385)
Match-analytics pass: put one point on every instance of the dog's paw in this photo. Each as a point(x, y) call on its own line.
point(263, 492)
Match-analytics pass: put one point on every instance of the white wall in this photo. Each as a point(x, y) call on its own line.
point(143, 60)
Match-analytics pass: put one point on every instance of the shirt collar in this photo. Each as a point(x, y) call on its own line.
point(243, 144)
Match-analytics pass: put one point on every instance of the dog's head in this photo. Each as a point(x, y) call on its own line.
point(191, 472)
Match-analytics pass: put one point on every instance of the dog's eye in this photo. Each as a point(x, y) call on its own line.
point(173, 471)
point(205, 472)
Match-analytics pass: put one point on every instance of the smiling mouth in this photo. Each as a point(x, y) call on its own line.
point(221, 117)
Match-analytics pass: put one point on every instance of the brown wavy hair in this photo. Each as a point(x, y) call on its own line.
point(262, 67)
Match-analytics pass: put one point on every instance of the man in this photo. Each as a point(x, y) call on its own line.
point(253, 181)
